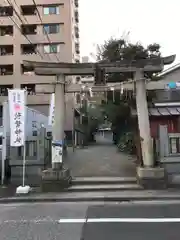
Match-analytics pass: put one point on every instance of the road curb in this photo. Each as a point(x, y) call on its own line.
point(107, 189)
point(86, 199)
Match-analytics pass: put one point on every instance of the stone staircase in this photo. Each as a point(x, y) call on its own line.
point(99, 184)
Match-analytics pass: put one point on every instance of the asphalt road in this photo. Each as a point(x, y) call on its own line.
point(85, 221)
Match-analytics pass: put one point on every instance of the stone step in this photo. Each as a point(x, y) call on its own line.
point(103, 180)
point(103, 187)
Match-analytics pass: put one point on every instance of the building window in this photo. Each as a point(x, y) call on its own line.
point(76, 16)
point(76, 3)
point(28, 10)
point(6, 50)
point(52, 48)
point(28, 49)
point(6, 11)
point(4, 89)
point(30, 88)
point(6, 30)
point(30, 29)
point(51, 10)
point(6, 69)
point(51, 28)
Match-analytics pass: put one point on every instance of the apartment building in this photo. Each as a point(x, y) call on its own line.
point(38, 30)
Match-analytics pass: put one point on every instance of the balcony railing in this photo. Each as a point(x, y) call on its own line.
point(167, 96)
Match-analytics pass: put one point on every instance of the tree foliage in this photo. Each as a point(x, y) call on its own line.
point(119, 49)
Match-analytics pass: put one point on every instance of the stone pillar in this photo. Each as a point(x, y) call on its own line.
point(143, 120)
point(149, 176)
point(58, 176)
point(59, 120)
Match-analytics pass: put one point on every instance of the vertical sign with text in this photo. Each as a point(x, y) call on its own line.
point(51, 110)
point(16, 98)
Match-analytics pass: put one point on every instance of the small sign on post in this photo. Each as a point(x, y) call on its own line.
point(57, 151)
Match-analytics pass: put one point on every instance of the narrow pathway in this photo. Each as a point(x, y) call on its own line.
point(101, 159)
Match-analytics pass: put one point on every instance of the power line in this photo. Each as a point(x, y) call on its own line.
point(19, 28)
point(15, 11)
point(19, 9)
point(39, 15)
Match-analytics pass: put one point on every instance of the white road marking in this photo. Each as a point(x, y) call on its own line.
point(76, 220)
point(133, 220)
point(92, 220)
point(121, 220)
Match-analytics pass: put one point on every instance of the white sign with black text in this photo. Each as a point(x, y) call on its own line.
point(16, 98)
point(51, 110)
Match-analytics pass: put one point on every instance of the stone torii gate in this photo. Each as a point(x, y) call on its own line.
point(148, 173)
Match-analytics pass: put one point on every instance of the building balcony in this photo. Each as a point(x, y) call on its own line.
point(6, 50)
point(76, 3)
point(6, 34)
point(42, 38)
point(6, 59)
point(6, 69)
point(76, 16)
point(29, 29)
point(7, 40)
point(38, 2)
point(77, 34)
point(6, 79)
point(31, 57)
point(46, 19)
point(6, 11)
point(5, 20)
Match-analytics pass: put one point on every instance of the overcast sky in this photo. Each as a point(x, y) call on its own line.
point(148, 21)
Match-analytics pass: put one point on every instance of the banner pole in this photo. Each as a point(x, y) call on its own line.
point(24, 148)
point(24, 163)
point(4, 142)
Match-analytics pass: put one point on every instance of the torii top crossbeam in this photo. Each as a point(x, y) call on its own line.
point(54, 68)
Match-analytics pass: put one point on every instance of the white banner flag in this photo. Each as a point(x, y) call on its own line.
point(16, 99)
point(51, 110)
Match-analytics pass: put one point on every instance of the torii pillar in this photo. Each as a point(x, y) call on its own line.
point(59, 124)
point(57, 177)
point(148, 175)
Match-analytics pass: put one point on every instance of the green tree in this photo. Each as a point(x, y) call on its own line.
point(113, 50)
point(119, 49)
